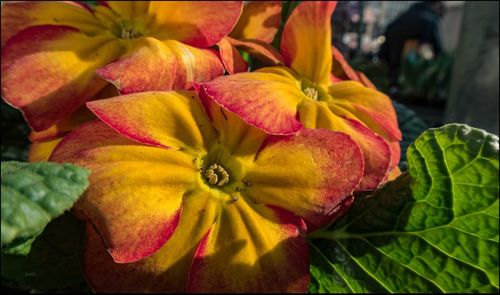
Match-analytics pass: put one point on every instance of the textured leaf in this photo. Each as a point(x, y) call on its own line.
point(432, 230)
point(54, 263)
point(32, 195)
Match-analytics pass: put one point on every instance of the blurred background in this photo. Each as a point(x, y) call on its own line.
point(437, 60)
point(440, 58)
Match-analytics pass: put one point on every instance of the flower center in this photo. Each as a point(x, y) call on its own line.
point(127, 29)
point(311, 92)
point(216, 175)
point(129, 32)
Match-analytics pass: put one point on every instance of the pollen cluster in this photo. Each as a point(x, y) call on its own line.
point(216, 175)
point(311, 92)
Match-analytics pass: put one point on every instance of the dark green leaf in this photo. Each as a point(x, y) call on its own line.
point(15, 131)
point(54, 263)
point(432, 230)
point(411, 126)
point(32, 195)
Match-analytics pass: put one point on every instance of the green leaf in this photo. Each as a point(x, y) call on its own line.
point(432, 230)
point(34, 194)
point(54, 263)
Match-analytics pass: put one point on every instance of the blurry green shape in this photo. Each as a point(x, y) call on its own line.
point(32, 195)
point(377, 72)
point(425, 80)
point(91, 3)
point(432, 230)
point(286, 10)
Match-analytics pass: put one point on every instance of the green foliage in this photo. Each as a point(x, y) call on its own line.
point(15, 143)
point(377, 72)
point(427, 79)
point(54, 263)
point(32, 195)
point(432, 230)
point(286, 10)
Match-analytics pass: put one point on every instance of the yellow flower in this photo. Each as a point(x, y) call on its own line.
point(282, 100)
point(185, 200)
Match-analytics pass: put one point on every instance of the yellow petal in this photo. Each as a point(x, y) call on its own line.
point(239, 138)
point(41, 151)
point(306, 40)
point(164, 271)
point(19, 15)
point(260, 20)
point(252, 248)
point(128, 9)
point(135, 192)
point(264, 100)
point(197, 23)
point(376, 151)
point(174, 119)
point(310, 173)
point(49, 71)
point(369, 106)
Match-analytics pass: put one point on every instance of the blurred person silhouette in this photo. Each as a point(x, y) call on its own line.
point(417, 30)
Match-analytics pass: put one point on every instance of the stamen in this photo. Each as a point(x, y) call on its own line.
point(216, 175)
point(311, 92)
point(129, 33)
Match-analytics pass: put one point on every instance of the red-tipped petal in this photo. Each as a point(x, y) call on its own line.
point(172, 119)
point(49, 71)
point(197, 23)
point(135, 192)
point(310, 173)
point(153, 65)
point(306, 40)
point(367, 105)
point(239, 138)
point(376, 151)
point(341, 71)
point(261, 50)
point(164, 271)
point(19, 15)
point(232, 59)
point(263, 100)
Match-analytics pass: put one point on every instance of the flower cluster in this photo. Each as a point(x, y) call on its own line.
point(207, 170)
